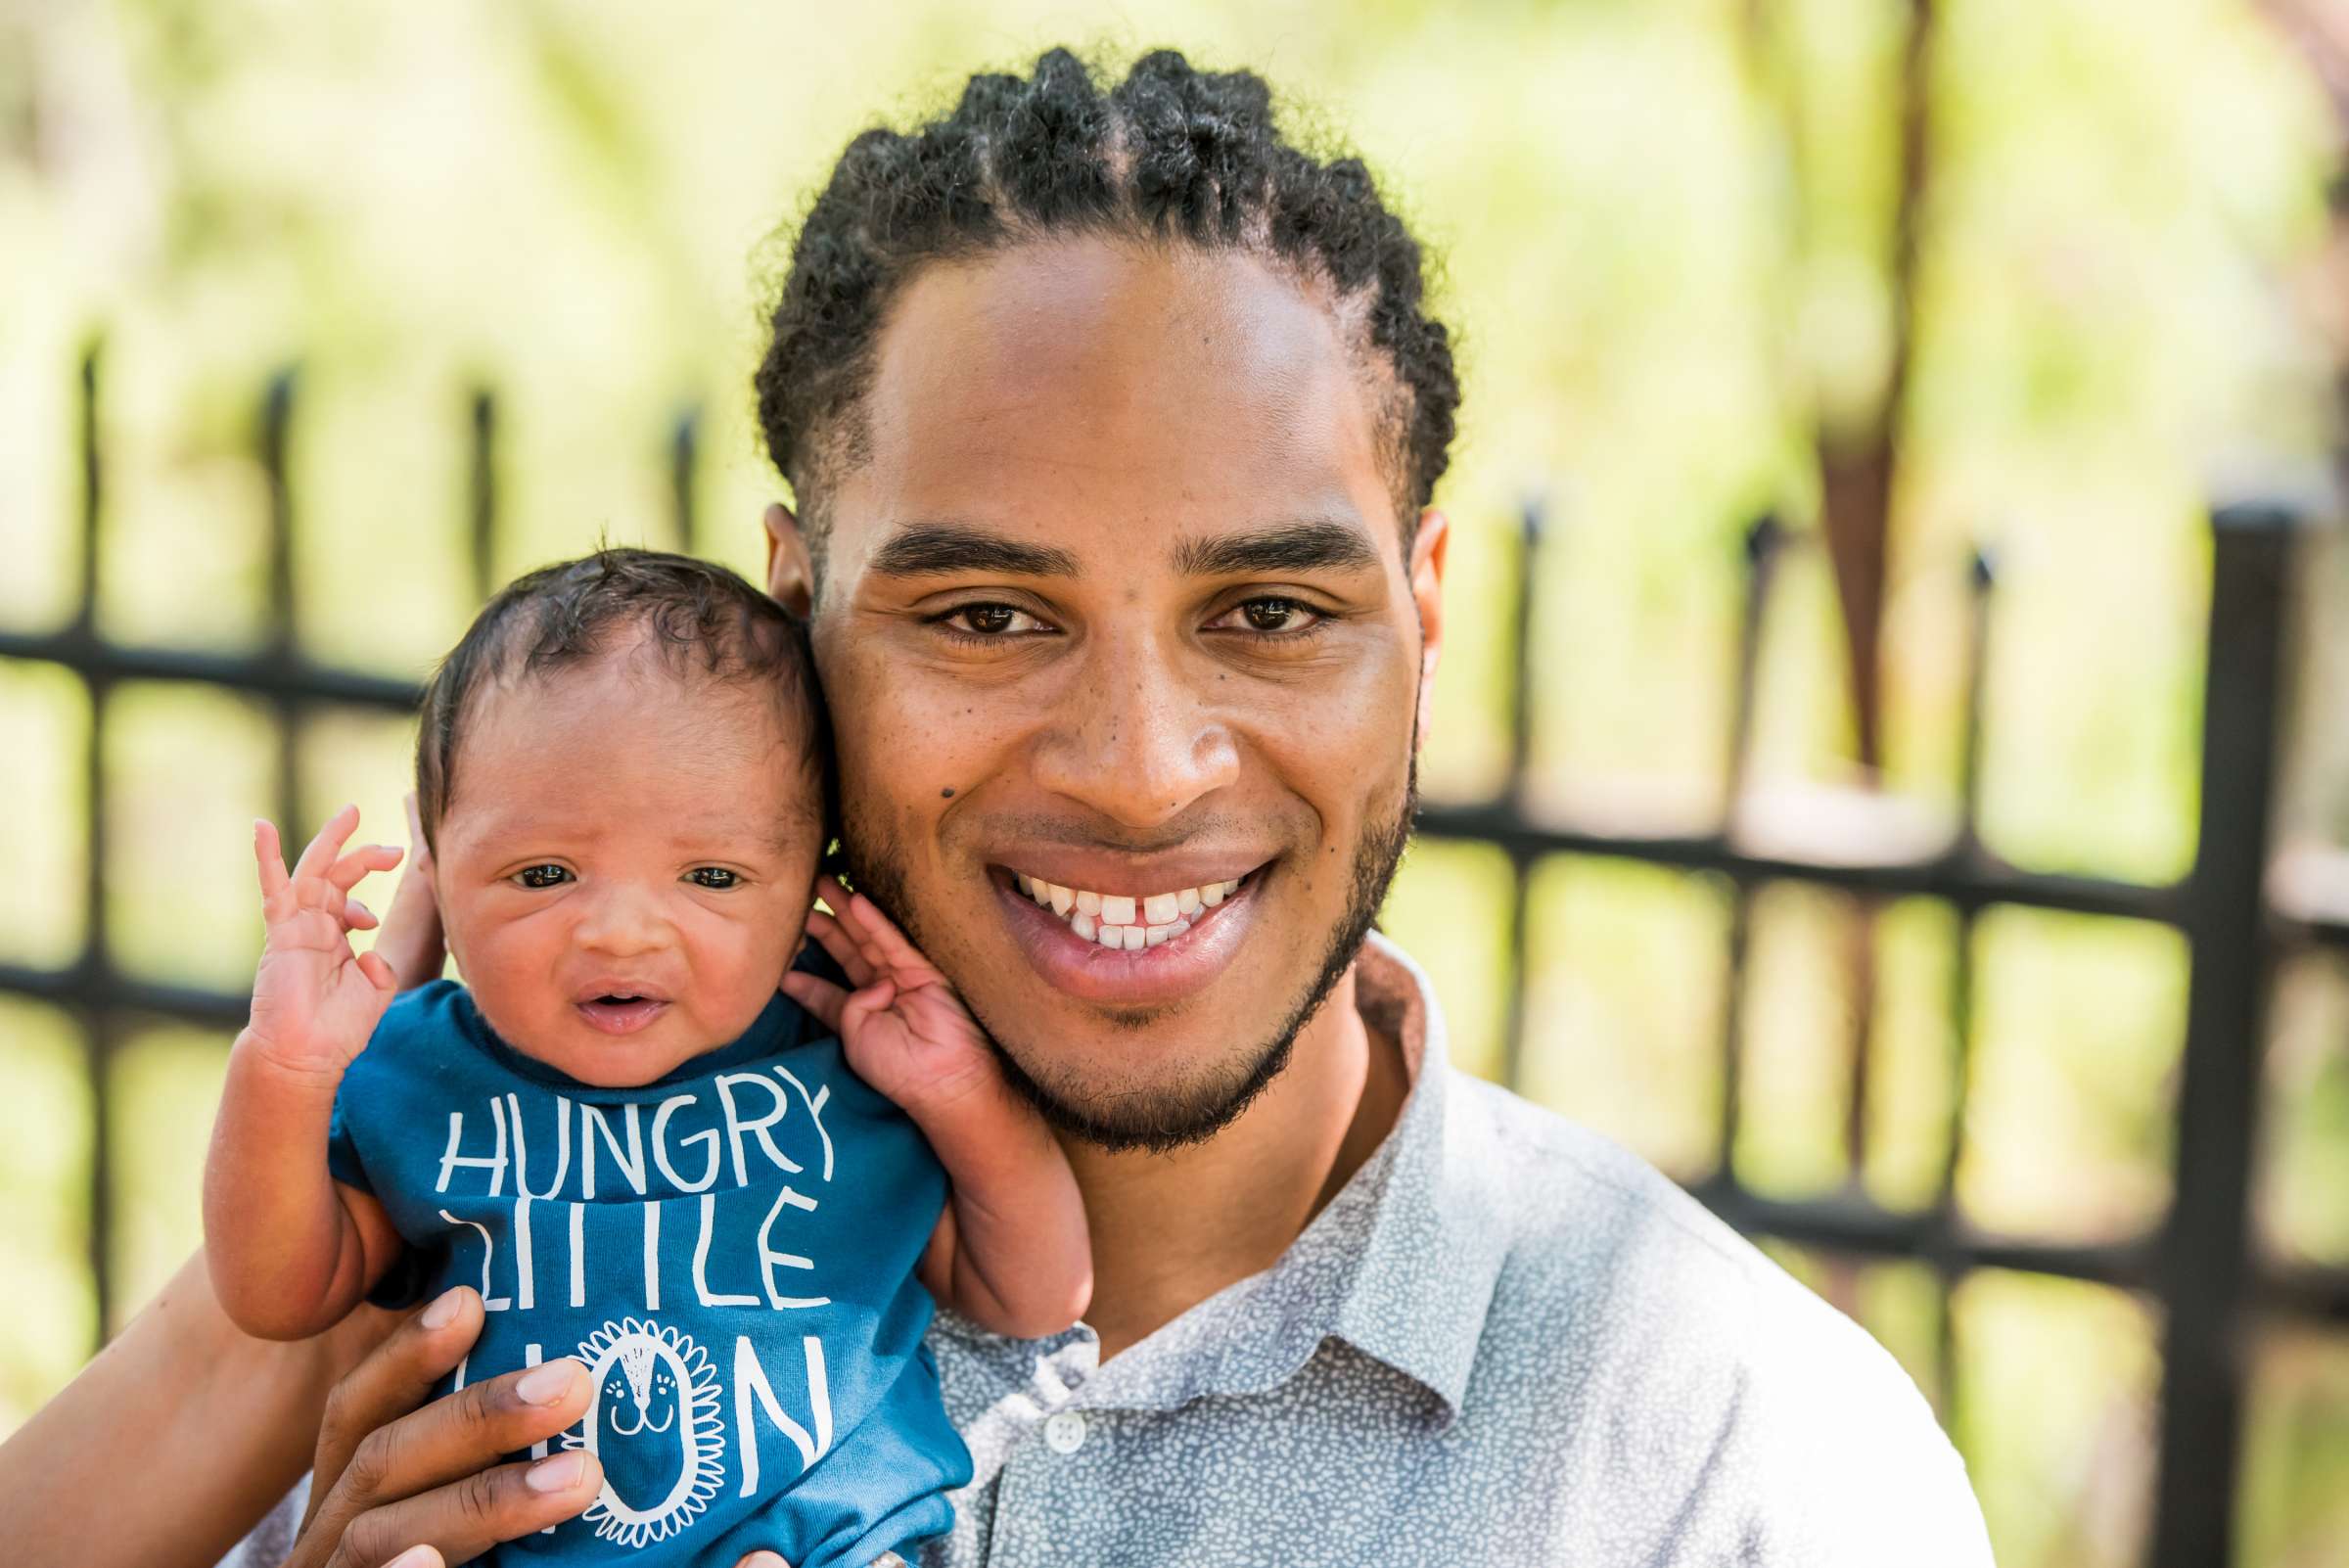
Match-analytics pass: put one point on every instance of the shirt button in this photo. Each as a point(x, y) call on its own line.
point(1064, 1433)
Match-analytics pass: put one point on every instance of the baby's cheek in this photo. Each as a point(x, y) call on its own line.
point(738, 969)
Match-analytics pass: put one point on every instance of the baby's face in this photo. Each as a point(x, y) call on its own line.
point(625, 865)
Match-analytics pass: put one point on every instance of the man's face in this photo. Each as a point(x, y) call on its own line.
point(1126, 660)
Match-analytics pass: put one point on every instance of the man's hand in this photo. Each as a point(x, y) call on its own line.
point(314, 1002)
point(903, 1029)
point(401, 1482)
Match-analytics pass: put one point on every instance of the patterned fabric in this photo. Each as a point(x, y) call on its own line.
point(1505, 1340)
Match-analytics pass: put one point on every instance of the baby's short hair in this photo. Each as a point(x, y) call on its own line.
point(702, 619)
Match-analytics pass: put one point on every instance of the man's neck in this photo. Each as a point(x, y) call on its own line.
point(1168, 1230)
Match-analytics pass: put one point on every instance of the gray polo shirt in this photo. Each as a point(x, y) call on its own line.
point(1505, 1340)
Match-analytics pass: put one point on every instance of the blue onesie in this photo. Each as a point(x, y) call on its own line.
point(731, 1250)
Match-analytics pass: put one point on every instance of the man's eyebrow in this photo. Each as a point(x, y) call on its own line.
point(939, 549)
point(1317, 544)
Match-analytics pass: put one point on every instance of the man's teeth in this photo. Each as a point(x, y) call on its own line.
point(1123, 921)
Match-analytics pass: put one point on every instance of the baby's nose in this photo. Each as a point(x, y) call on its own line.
point(621, 922)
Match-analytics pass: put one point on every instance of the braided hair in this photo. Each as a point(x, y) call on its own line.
point(1168, 154)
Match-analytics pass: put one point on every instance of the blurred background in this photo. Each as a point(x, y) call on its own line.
point(1867, 783)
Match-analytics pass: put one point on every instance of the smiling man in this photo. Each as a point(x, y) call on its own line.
point(1116, 421)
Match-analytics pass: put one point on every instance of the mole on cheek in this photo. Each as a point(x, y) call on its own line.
point(947, 794)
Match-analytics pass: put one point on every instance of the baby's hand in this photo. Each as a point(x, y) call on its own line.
point(314, 1002)
point(905, 1032)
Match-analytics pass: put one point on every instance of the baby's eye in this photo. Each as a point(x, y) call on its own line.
point(713, 876)
point(550, 875)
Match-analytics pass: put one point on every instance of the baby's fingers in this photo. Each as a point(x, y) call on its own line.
point(270, 855)
point(876, 997)
point(815, 993)
point(320, 853)
point(843, 947)
point(887, 941)
point(854, 913)
point(362, 864)
point(356, 916)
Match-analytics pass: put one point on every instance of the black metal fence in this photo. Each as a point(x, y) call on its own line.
point(2199, 1266)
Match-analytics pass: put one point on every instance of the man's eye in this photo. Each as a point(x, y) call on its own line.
point(1272, 615)
point(986, 622)
point(542, 876)
point(713, 876)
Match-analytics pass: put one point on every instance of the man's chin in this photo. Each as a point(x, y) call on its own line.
point(1153, 1118)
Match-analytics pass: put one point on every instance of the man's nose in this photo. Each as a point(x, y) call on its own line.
point(621, 920)
point(1140, 739)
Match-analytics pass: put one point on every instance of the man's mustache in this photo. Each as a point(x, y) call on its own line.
point(1030, 831)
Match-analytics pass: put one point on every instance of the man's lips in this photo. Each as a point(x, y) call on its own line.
point(1176, 958)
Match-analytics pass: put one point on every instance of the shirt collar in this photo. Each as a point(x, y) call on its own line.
point(1429, 1265)
point(1397, 1266)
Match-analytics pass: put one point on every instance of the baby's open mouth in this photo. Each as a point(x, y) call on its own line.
point(621, 1012)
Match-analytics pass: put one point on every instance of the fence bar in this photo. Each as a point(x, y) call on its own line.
point(96, 994)
point(1531, 524)
point(482, 493)
point(684, 443)
point(1847, 1223)
point(2204, 1264)
point(258, 676)
point(1761, 542)
point(284, 632)
point(1970, 881)
point(99, 1022)
point(1981, 584)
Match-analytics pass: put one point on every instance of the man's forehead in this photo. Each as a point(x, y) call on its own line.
point(1090, 396)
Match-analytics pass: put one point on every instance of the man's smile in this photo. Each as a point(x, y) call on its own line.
point(1124, 944)
point(1126, 920)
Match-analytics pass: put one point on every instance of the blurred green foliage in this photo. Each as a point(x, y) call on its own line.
point(1657, 301)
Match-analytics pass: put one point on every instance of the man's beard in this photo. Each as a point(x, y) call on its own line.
point(1171, 1119)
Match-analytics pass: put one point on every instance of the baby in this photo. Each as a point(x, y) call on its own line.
point(728, 1187)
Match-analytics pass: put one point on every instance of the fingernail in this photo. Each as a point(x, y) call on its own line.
point(543, 1385)
point(444, 1311)
point(414, 1557)
point(558, 1473)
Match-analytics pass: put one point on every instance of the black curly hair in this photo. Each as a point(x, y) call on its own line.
point(1170, 154)
point(700, 619)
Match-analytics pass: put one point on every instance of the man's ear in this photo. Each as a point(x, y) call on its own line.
point(1427, 592)
point(790, 577)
